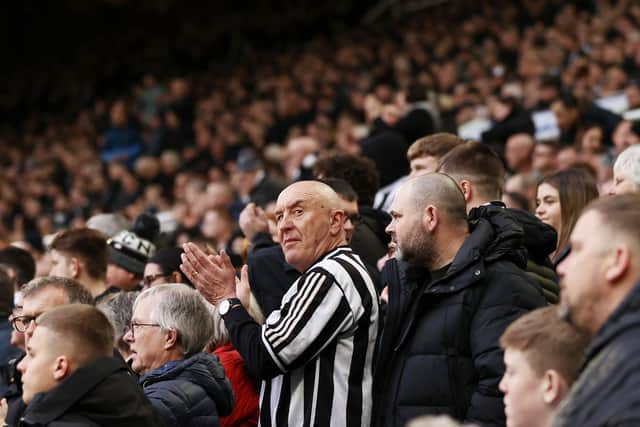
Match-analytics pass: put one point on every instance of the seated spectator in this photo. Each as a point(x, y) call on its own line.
point(170, 327)
point(518, 153)
point(164, 267)
point(118, 308)
point(81, 254)
point(626, 171)
point(560, 200)
point(129, 251)
point(542, 355)
point(70, 378)
point(246, 409)
point(252, 182)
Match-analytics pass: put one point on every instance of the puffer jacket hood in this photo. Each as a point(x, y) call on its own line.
point(495, 235)
point(540, 239)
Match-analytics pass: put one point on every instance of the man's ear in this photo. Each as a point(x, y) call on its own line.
point(431, 217)
point(76, 268)
point(171, 340)
point(61, 368)
point(554, 388)
point(618, 263)
point(336, 224)
point(467, 189)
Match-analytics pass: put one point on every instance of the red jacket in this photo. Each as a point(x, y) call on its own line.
point(245, 413)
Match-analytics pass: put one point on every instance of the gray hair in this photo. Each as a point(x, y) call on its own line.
point(76, 293)
point(183, 309)
point(628, 164)
point(118, 308)
point(220, 335)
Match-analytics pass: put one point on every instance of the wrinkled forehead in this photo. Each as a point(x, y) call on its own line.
point(293, 196)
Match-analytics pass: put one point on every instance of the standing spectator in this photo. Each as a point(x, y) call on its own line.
point(449, 308)
point(316, 351)
point(81, 254)
point(560, 200)
point(600, 293)
point(480, 174)
point(170, 327)
point(70, 378)
point(542, 356)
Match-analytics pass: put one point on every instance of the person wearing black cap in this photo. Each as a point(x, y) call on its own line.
point(129, 251)
point(164, 267)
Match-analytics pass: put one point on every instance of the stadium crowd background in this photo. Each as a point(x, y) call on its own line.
point(151, 117)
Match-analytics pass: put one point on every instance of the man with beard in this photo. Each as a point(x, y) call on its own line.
point(600, 295)
point(460, 284)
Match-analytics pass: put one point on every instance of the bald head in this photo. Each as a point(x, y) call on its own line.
point(310, 222)
point(442, 191)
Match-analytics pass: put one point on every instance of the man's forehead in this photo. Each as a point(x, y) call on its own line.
point(43, 299)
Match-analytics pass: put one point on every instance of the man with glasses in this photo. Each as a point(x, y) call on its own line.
point(39, 295)
point(164, 267)
point(170, 327)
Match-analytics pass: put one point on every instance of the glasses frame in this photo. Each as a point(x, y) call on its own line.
point(134, 325)
point(21, 320)
point(147, 280)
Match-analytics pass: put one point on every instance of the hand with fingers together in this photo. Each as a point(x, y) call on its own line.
point(212, 275)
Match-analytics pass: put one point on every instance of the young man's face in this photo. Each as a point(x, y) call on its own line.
point(523, 392)
point(39, 365)
point(422, 165)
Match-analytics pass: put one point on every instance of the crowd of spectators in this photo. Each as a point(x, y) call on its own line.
point(530, 108)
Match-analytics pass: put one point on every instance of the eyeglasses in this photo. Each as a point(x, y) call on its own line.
point(134, 325)
point(148, 280)
point(21, 323)
point(354, 218)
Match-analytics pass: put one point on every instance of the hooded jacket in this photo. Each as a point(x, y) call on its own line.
point(540, 241)
point(606, 393)
point(191, 392)
point(439, 350)
point(102, 393)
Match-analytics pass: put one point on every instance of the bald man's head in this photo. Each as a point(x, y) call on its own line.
point(442, 191)
point(310, 222)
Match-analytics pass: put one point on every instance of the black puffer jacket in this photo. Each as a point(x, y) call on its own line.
point(101, 394)
point(439, 351)
point(606, 393)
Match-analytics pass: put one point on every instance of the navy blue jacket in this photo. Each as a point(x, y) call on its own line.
point(606, 393)
point(192, 392)
point(439, 352)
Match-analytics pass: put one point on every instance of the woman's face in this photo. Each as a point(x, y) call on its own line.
point(548, 207)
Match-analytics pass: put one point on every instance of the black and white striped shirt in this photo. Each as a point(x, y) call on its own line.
point(315, 354)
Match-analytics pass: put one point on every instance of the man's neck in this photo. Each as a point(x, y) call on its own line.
point(94, 286)
point(448, 250)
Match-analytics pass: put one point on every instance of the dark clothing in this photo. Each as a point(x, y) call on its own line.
point(539, 241)
point(192, 392)
point(13, 393)
point(270, 277)
point(416, 124)
point(518, 121)
point(388, 149)
point(369, 240)
point(439, 351)
point(266, 191)
point(99, 394)
point(7, 353)
point(606, 393)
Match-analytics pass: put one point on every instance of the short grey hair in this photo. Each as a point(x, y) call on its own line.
point(118, 307)
point(183, 309)
point(220, 335)
point(76, 293)
point(628, 164)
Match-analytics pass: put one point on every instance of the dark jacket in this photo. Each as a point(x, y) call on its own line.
point(540, 241)
point(192, 392)
point(439, 351)
point(606, 393)
point(99, 394)
point(370, 240)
